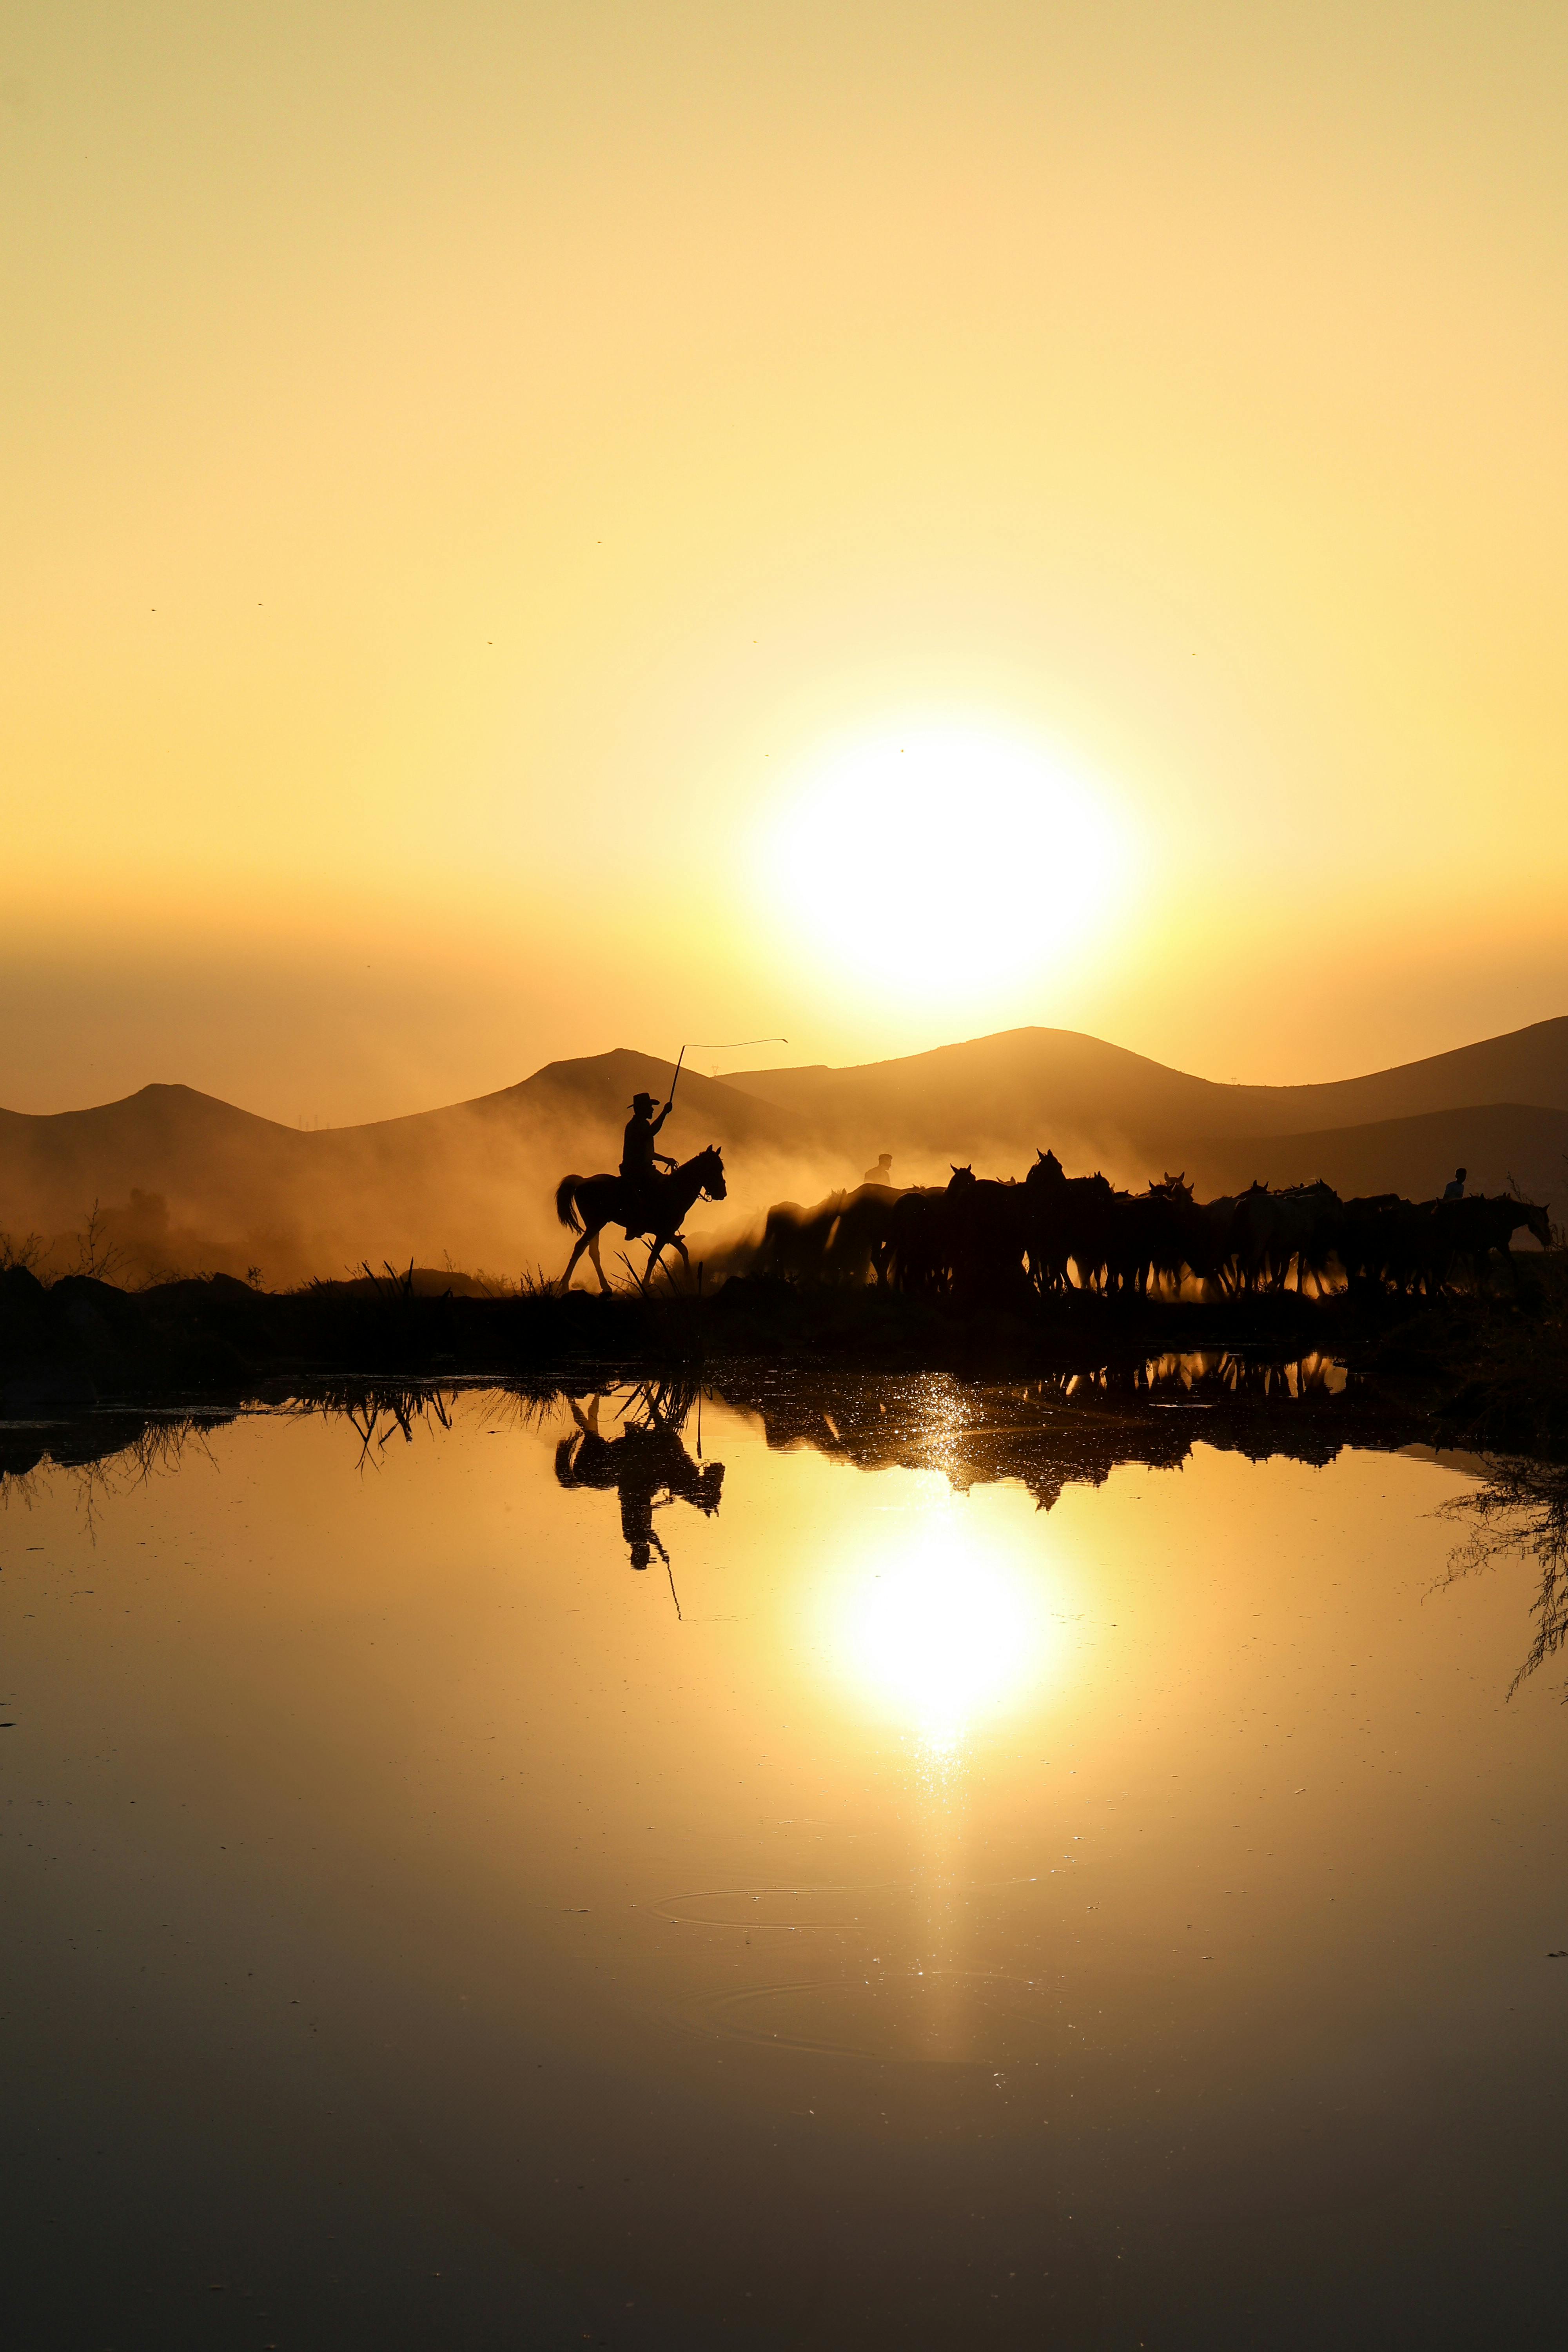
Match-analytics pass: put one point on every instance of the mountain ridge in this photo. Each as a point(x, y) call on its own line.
point(1073, 1077)
point(188, 1178)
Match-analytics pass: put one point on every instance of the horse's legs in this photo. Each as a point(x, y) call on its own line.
point(655, 1254)
point(572, 1262)
point(593, 1240)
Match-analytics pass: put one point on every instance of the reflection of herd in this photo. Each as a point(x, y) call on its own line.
point(977, 1240)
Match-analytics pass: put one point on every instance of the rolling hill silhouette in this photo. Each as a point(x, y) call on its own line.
point(188, 1181)
point(1022, 1081)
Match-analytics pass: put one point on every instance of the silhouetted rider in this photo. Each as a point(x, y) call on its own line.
point(638, 1157)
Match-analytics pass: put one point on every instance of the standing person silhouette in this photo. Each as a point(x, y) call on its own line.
point(1456, 1191)
point(883, 1171)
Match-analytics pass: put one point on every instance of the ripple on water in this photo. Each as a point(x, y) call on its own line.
point(939, 2017)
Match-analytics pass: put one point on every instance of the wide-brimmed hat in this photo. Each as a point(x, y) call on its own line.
point(642, 1102)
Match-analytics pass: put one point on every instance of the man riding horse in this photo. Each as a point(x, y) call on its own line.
point(640, 1200)
point(640, 1160)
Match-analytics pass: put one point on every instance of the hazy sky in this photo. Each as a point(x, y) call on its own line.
point(491, 493)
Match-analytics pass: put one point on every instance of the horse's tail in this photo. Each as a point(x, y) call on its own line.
point(566, 1202)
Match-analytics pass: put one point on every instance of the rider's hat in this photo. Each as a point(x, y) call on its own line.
point(642, 1102)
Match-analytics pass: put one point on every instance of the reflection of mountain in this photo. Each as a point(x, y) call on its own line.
point(222, 1188)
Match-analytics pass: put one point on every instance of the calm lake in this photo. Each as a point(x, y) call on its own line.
point(970, 1887)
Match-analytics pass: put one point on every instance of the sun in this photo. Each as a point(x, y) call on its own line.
point(944, 858)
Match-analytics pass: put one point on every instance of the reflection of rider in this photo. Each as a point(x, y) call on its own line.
point(647, 1466)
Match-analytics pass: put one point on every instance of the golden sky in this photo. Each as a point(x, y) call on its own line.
point(491, 492)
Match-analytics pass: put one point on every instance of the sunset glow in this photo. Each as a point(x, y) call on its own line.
point(480, 481)
point(944, 860)
point(783, 1173)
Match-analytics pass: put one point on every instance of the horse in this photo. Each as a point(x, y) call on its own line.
point(929, 1234)
point(653, 1212)
point(794, 1240)
point(1297, 1228)
point(1067, 1217)
point(1472, 1229)
point(857, 1246)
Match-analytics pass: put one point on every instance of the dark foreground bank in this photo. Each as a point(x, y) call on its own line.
point(1485, 1370)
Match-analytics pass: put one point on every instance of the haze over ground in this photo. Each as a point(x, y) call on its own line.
point(190, 1184)
point(493, 494)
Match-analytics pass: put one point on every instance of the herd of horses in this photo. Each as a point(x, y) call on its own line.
point(979, 1240)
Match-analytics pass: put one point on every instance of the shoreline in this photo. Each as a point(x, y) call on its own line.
point(1484, 1373)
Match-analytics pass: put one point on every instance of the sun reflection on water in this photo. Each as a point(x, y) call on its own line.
point(943, 1624)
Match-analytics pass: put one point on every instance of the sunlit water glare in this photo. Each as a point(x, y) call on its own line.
point(935, 1626)
point(1091, 1906)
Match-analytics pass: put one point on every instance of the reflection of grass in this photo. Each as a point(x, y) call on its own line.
point(1520, 1510)
point(104, 1457)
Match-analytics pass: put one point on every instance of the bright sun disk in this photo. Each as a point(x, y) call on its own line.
point(945, 858)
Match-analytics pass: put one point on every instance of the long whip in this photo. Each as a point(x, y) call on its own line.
point(718, 1046)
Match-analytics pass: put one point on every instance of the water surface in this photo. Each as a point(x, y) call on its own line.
point(972, 1885)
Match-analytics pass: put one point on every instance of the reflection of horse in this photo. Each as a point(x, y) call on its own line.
point(647, 1466)
point(653, 1211)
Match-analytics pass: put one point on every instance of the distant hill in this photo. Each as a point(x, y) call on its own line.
point(1497, 1142)
point(1025, 1087)
point(183, 1181)
point(187, 1181)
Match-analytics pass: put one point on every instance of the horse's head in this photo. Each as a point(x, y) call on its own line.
point(710, 1487)
point(1536, 1218)
point(959, 1178)
point(1047, 1169)
point(710, 1165)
